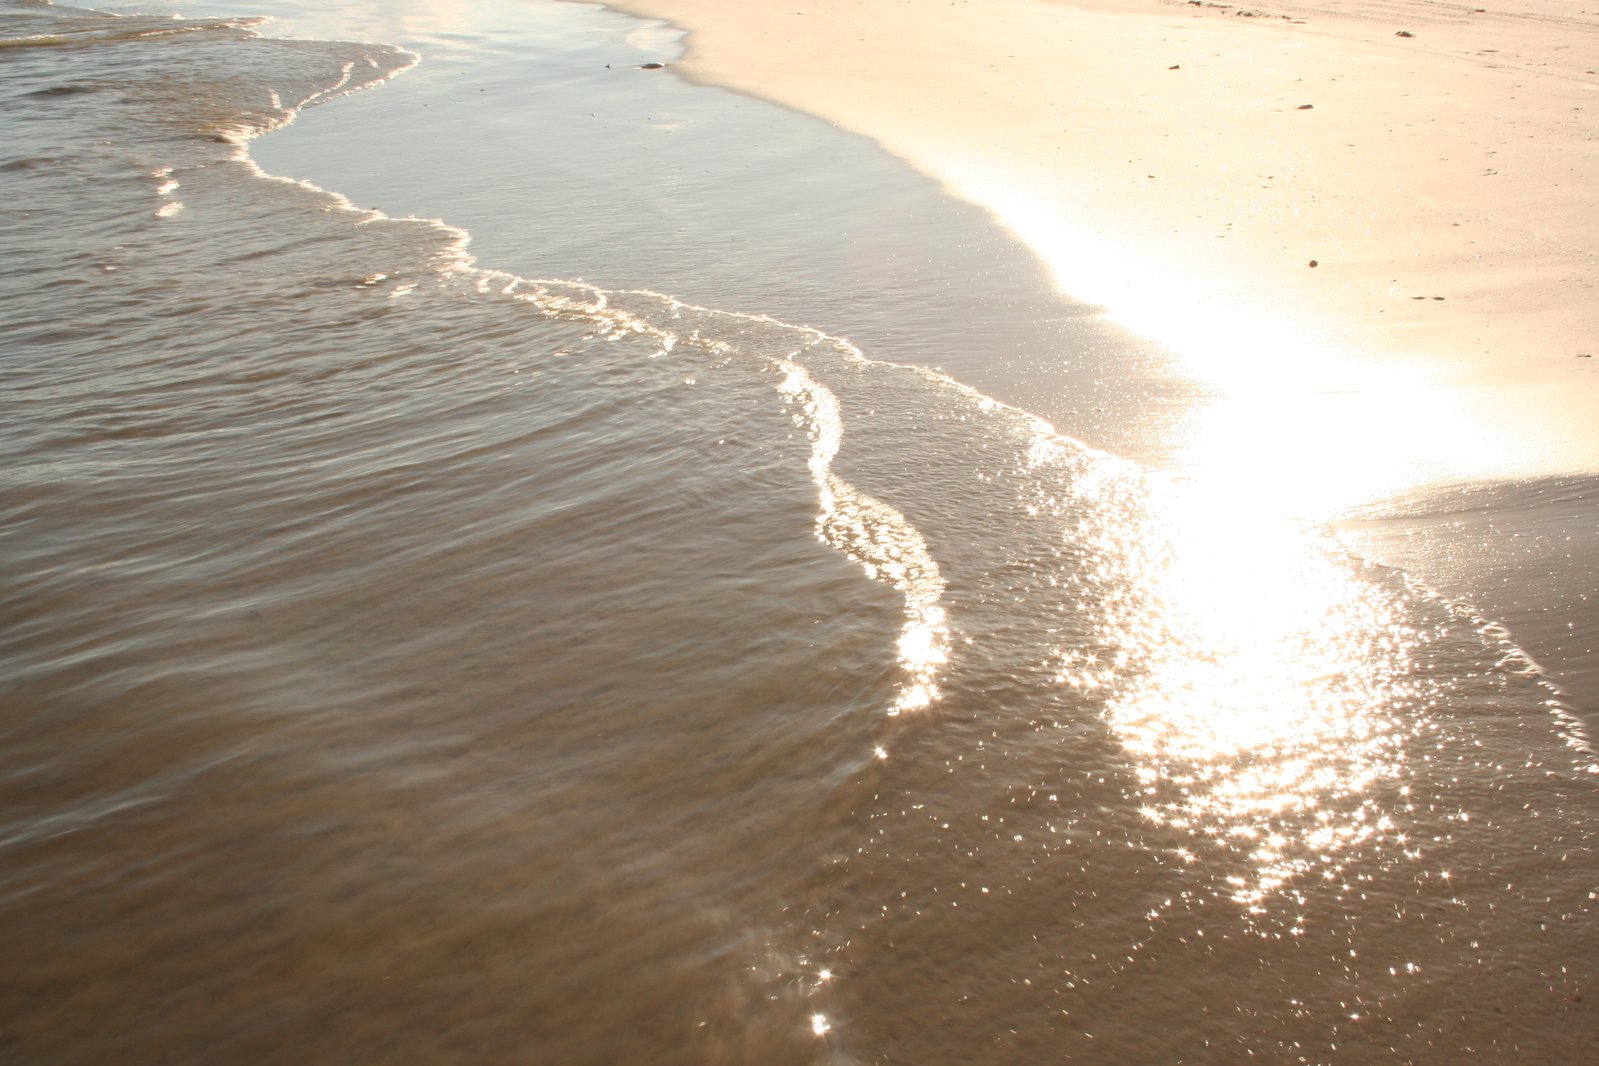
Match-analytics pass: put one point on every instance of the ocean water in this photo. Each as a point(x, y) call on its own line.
point(609, 649)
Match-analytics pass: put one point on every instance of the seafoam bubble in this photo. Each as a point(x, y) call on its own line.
point(880, 538)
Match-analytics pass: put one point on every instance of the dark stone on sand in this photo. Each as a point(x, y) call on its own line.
point(651, 66)
point(1404, 33)
point(1175, 66)
point(1306, 107)
point(1313, 264)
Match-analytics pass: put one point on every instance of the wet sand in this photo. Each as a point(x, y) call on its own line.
point(1366, 232)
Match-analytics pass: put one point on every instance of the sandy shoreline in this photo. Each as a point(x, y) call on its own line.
point(1181, 165)
point(1161, 159)
point(470, 605)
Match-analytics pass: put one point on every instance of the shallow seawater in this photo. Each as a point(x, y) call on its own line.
point(408, 658)
point(535, 127)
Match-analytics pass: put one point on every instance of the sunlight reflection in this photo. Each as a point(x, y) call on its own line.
point(1325, 426)
point(1261, 682)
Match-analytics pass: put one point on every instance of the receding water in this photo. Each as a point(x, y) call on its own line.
point(412, 658)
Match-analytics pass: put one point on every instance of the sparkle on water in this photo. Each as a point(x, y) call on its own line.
point(1262, 685)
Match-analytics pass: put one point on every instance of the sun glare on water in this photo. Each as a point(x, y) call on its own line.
point(1262, 686)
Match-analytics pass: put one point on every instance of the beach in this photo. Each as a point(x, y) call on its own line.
point(1368, 233)
point(542, 534)
point(1202, 156)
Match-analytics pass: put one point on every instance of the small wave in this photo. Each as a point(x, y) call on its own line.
point(875, 535)
point(868, 530)
point(1514, 660)
point(86, 29)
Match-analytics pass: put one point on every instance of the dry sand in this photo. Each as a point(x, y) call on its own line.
point(1368, 230)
